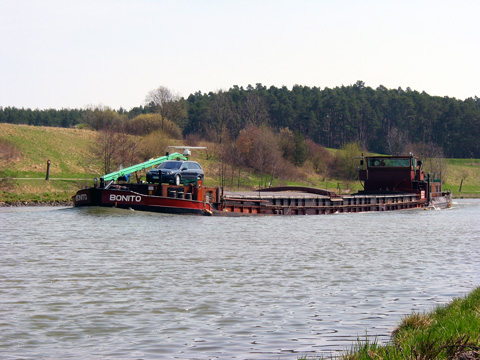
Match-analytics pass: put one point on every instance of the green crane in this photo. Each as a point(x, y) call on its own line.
point(115, 175)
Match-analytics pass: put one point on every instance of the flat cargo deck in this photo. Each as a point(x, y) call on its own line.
point(243, 195)
point(308, 201)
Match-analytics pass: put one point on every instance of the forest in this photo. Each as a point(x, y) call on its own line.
point(379, 120)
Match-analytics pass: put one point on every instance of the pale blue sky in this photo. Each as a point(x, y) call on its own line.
point(73, 54)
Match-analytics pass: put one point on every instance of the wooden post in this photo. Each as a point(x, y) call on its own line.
point(47, 177)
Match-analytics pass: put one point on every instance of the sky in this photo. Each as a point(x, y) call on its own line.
point(111, 53)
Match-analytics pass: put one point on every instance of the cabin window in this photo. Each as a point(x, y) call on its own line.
point(386, 162)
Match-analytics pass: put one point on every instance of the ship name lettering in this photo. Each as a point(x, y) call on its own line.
point(127, 198)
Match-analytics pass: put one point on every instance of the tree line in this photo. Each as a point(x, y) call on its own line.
point(381, 120)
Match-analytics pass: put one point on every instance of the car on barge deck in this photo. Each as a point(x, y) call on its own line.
point(389, 183)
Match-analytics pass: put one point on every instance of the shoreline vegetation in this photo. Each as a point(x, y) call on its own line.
point(35, 203)
point(75, 161)
point(450, 331)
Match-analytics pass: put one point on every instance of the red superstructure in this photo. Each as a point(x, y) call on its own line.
point(392, 174)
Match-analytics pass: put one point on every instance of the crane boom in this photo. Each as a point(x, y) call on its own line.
point(116, 174)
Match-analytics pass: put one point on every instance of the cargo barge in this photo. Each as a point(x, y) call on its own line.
point(389, 183)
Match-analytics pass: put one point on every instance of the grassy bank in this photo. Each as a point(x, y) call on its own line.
point(448, 332)
point(463, 177)
point(24, 151)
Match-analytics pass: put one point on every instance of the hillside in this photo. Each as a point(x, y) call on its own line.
point(24, 151)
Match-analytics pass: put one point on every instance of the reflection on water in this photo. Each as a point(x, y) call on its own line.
point(107, 283)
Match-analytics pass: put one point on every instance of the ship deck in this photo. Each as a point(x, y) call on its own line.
point(259, 195)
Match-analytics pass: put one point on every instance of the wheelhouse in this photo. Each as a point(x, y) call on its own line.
point(393, 174)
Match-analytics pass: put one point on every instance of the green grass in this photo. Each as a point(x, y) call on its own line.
point(445, 332)
point(448, 332)
point(469, 171)
point(70, 152)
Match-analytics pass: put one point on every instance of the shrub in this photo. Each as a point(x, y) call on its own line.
point(147, 123)
point(8, 151)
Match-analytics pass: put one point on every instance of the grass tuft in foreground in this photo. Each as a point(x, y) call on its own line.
point(449, 332)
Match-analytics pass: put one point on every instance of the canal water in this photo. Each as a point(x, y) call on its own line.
point(117, 284)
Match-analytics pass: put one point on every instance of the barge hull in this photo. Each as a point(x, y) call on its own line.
point(389, 183)
point(126, 199)
point(310, 203)
point(297, 202)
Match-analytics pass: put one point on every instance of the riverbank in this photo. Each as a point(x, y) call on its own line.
point(448, 332)
point(35, 203)
point(72, 163)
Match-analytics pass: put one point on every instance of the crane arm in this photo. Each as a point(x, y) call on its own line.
point(116, 174)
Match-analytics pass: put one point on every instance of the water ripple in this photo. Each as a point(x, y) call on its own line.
point(115, 284)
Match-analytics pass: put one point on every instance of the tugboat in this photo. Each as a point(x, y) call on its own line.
point(114, 190)
point(389, 183)
point(402, 174)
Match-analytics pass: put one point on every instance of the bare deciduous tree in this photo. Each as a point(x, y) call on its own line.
point(254, 110)
point(100, 117)
point(168, 104)
point(258, 147)
point(432, 156)
point(287, 143)
point(115, 147)
point(221, 118)
point(319, 157)
point(396, 141)
point(108, 148)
